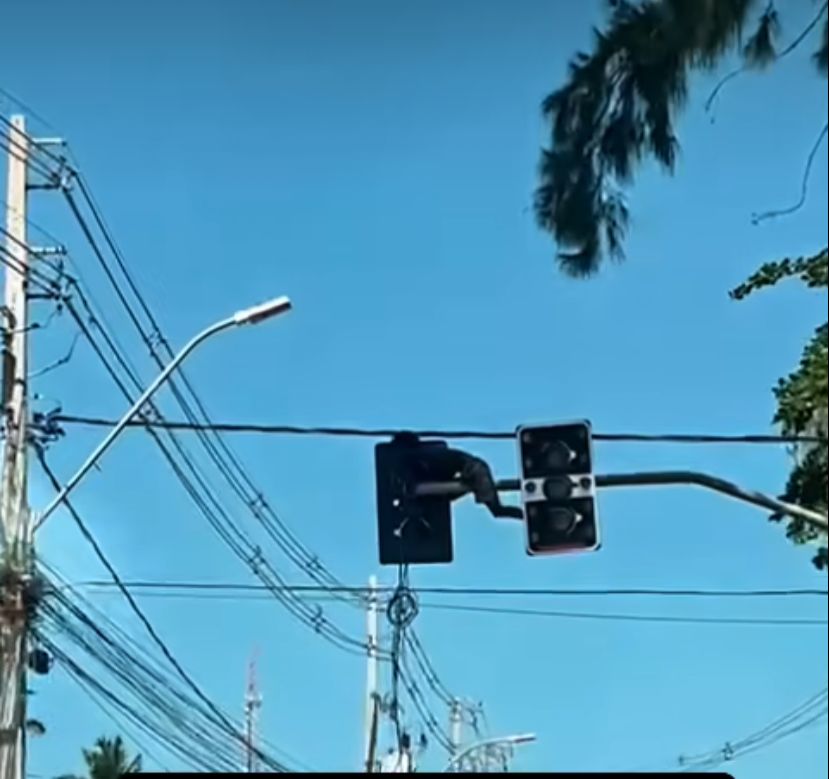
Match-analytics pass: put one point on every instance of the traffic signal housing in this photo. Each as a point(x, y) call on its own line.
point(558, 488)
point(411, 529)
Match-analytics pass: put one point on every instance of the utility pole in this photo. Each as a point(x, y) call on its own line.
point(455, 726)
point(372, 707)
point(15, 567)
point(253, 702)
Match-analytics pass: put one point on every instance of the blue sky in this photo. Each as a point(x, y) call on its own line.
point(375, 161)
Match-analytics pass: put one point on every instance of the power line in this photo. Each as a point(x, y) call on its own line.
point(211, 508)
point(357, 432)
point(66, 611)
point(226, 462)
point(492, 591)
point(37, 278)
point(214, 594)
point(95, 697)
point(611, 617)
point(19, 151)
point(26, 108)
point(803, 716)
point(159, 642)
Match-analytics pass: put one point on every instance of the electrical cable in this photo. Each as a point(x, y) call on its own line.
point(357, 432)
point(611, 617)
point(490, 591)
point(220, 717)
point(243, 548)
point(142, 748)
point(21, 153)
point(803, 716)
point(258, 594)
point(130, 658)
point(254, 500)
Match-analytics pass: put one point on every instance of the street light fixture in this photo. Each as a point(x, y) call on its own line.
point(249, 316)
point(504, 742)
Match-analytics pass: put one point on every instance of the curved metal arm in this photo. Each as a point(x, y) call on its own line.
point(248, 316)
point(134, 410)
point(815, 519)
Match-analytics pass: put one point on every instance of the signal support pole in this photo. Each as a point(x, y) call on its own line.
point(15, 566)
point(372, 712)
point(457, 489)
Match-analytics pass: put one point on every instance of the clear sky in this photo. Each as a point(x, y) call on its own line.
point(375, 160)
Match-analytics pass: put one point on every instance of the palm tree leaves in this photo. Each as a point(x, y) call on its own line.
point(822, 54)
point(108, 759)
point(760, 49)
point(617, 106)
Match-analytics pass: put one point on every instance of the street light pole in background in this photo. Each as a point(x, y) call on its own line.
point(249, 316)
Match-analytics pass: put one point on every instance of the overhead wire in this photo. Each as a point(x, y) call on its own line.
point(619, 617)
point(226, 462)
point(73, 614)
point(389, 432)
point(238, 594)
point(311, 565)
point(212, 509)
point(427, 668)
point(220, 717)
point(475, 590)
point(257, 505)
point(145, 682)
point(240, 480)
point(97, 699)
point(37, 278)
point(401, 611)
point(20, 152)
point(803, 716)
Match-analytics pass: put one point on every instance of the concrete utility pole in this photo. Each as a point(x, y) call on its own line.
point(455, 726)
point(372, 707)
point(15, 566)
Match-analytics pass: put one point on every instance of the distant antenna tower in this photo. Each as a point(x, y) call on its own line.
point(253, 702)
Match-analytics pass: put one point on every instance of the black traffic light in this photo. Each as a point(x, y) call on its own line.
point(411, 529)
point(558, 489)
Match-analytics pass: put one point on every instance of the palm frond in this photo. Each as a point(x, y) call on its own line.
point(760, 49)
point(618, 105)
point(822, 54)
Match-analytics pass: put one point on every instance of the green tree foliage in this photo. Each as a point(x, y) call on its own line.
point(802, 397)
point(617, 108)
point(108, 760)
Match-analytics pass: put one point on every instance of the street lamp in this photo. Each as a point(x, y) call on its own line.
point(505, 742)
point(248, 316)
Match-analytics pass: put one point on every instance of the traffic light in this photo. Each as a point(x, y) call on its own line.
point(558, 490)
point(411, 529)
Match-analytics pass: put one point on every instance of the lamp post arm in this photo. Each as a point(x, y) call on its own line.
point(134, 410)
